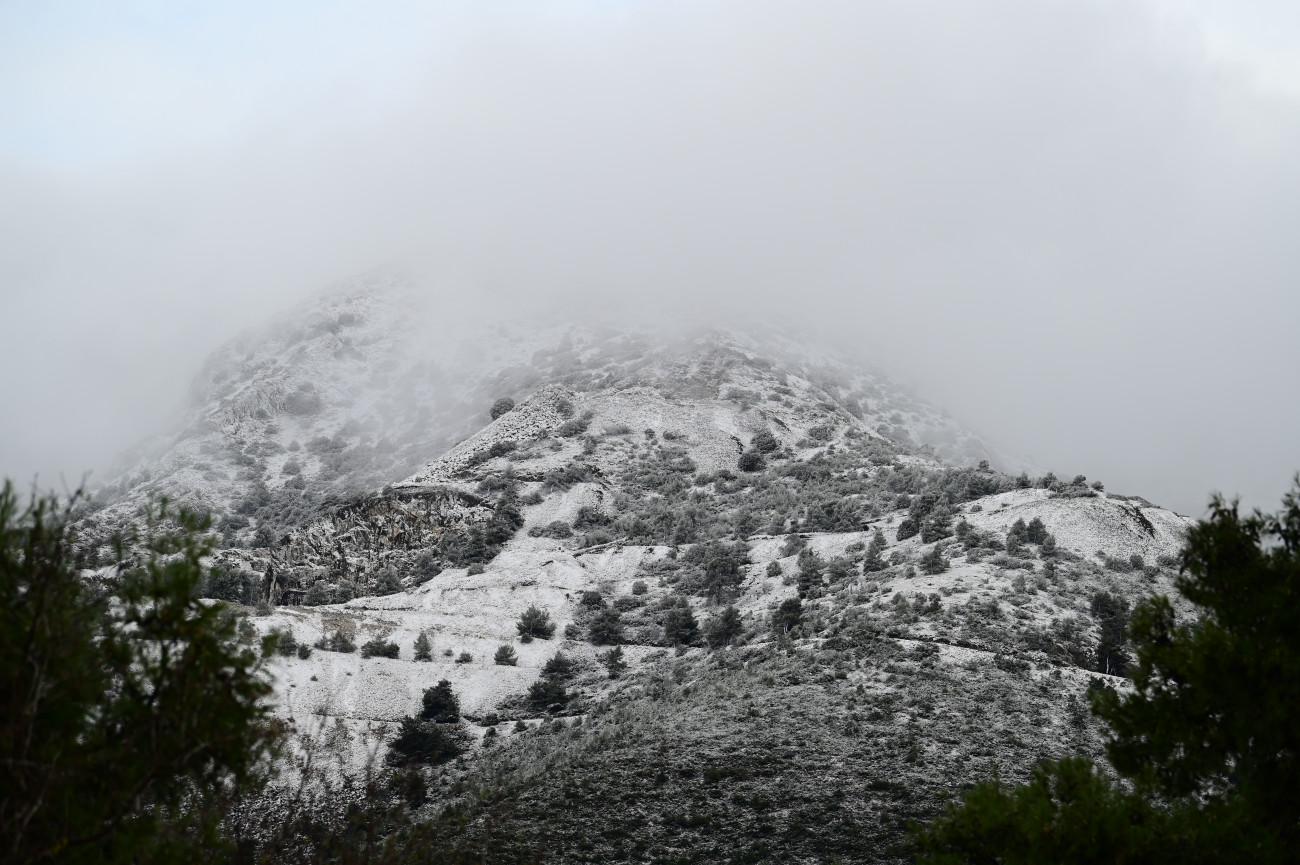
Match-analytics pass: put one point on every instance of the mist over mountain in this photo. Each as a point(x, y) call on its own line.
point(688, 591)
point(1063, 223)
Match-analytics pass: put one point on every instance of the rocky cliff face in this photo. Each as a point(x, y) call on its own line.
point(835, 612)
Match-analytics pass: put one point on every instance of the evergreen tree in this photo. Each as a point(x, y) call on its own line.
point(614, 663)
point(423, 649)
point(787, 616)
point(680, 626)
point(534, 623)
point(606, 628)
point(1207, 739)
point(129, 716)
point(505, 657)
point(723, 628)
point(440, 704)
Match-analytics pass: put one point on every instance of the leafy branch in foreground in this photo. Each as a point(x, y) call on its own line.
point(130, 713)
point(1207, 742)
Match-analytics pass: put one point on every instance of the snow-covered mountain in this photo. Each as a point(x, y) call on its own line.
point(834, 607)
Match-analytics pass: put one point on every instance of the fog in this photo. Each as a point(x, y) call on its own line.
point(1069, 223)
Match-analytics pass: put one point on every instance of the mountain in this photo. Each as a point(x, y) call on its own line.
point(835, 610)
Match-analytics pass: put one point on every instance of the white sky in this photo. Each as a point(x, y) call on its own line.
point(1070, 221)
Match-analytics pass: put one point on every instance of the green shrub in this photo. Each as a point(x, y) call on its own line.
point(440, 704)
point(423, 648)
point(421, 742)
point(379, 648)
point(133, 714)
point(337, 642)
point(505, 657)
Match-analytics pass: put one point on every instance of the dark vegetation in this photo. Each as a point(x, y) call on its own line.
point(1208, 740)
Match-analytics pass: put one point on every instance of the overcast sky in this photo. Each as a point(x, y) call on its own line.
point(1073, 223)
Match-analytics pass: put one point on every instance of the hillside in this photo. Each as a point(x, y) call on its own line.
point(834, 609)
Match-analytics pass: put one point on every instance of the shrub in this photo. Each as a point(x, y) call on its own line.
point(501, 448)
point(505, 657)
point(440, 704)
point(560, 666)
point(423, 649)
point(337, 642)
point(317, 594)
point(304, 401)
point(464, 658)
point(680, 626)
point(422, 742)
point(304, 651)
point(548, 694)
point(764, 442)
point(535, 623)
point(751, 461)
point(606, 629)
point(639, 587)
point(574, 427)
point(613, 662)
point(387, 582)
point(787, 616)
point(934, 562)
point(501, 406)
point(723, 628)
point(774, 569)
point(475, 569)
point(379, 648)
point(285, 644)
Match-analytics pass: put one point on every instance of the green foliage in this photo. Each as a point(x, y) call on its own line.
point(1068, 813)
point(337, 642)
point(548, 694)
point(505, 656)
point(1208, 738)
point(425, 742)
point(379, 648)
point(440, 704)
point(535, 623)
point(131, 711)
point(751, 461)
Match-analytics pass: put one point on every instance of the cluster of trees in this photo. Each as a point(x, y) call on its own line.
point(1205, 744)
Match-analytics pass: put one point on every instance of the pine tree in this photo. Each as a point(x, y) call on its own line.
point(423, 648)
point(614, 663)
